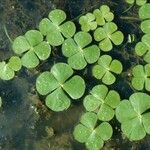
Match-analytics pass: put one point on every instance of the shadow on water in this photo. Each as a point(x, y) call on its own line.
point(25, 123)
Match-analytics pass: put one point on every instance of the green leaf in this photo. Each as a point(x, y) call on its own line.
point(145, 26)
point(57, 100)
point(61, 72)
point(107, 34)
point(15, 63)
point(75, 87)
point(20, 45)
point(46, 83)
point(6, 73)
point(104, 68)
point(93, 135)
point(78, 51)
point(138, 2)
point(144, 11)
point(29, 59)
point(133, 116)
point(42, 50)
point(57, 16)
point(102, 101)
point(34, 37)
point(141, 77)
point(61, 86)
point(68, 29)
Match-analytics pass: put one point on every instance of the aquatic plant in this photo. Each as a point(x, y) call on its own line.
point(54, 83)
point(31, 47)
point(0, 102)
point(102, 101)
point(107, 35)
point(55, 29)
point(135, 121)
point(78, 51)
point(7, 70)
point(106, 68)
point(138, 2)
point(91, 133)
point(141, 77)
point(103, 15)
point(88, 22)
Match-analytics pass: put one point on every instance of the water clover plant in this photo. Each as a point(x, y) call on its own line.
point(32, 48)
point(79, 52)
point(103, 15)
point(135, 121)
point(102, 101)
point(141, 77)
point(60, 86)
point(7, 70)
point(91, 133)
point(88, 22)
point(144, 14)
point(106, 68)
point(143, 48)
point(107, 35)
point(55, 29)
point(138, 2)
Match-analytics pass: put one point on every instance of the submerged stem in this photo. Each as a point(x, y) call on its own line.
point(6, 32)
point(130, 18)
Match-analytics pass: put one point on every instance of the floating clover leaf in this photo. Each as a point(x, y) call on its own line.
point(104, 68)
point(102, 101)
point(55, 29)
point(58, 81)
point(7, 70)
point(144, 14)
point(141, 77)
point(143, 48)
point(135, 121)
point(32, 48)
point(103, 15)
point(89, 133)
point(78, 51)
point(138, 2)
point(88, 22)
point(107, 34)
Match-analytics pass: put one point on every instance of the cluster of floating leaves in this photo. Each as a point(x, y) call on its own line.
point(60, 85)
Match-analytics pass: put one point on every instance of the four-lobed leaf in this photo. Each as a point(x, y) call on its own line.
point(93, 135)
point(32, 48)
point(56, 83)
point(87, 22)
point(103, 15)
point(141, 77)
point(135, 121)
point(79, 52)
point(102, 101)
point(55, 29)
point(138, 2)
point(107, 35)
point(106, 68)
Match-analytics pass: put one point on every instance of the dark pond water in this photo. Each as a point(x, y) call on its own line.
point(25, 123)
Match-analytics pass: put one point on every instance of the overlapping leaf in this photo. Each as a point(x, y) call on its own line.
point(102, 101)
point(88, 22)
point(93, 135)
point(133, 117)
point(106, 68)
point(103, 15)
point(79, 52)
point(55, 28)
point(32, 48)
point(56, 83)
point(141, 77)
point(107, 35)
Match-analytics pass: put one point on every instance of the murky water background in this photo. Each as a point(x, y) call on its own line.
point(25, 123)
